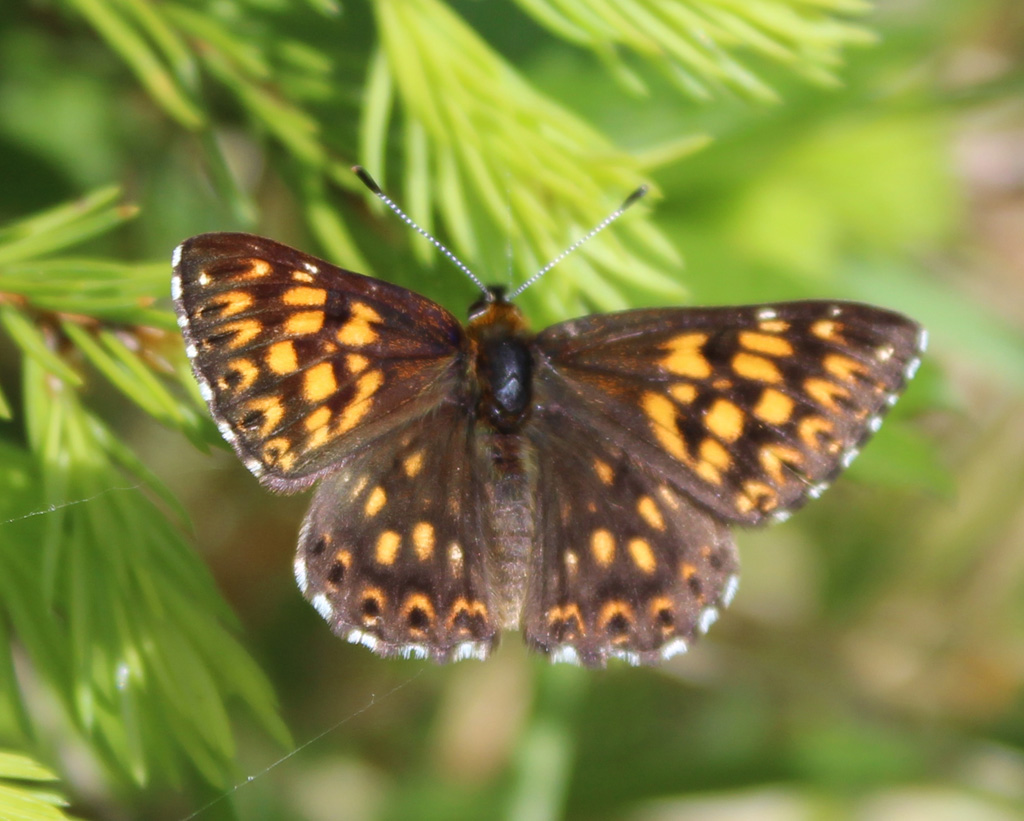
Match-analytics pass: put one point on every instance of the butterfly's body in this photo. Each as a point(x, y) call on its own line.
point(501, 367)
point(578, 483)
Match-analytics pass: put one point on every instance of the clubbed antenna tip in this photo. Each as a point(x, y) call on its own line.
point(639, 194)
point(370, 182)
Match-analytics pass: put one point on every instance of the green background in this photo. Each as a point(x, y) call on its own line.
point(155, 652)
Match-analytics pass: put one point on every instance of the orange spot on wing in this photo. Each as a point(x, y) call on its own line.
point(281, 357)
point(811, 428)
point(414, 602)
point(824, 392)
point(318, 383)
point(245, 373)
point(277, 452)
point(375, 501)
point(775, 458)
point(423, 540)
point(708, 472)
point(304, 323)
point(602, 546)
point(233, 302)
point(616, 611)
point(307, 297)
point(568, 617)
point(765, 343)
point(725, 420)
point(257, 268)
point(373, 605)
point(661, 412)
point(661, 611)
point(386, 550)
point(773, 407)
point(761, 496)
point(604, 471)
point(243, 331)
point(317, 421)
point(413, 464)
point(342, 558)
point(684, 358)
point(683, 392)
point(844, 368)
point(356, 363)
point(642, 555)
point(465, 610)
point(756, 368)
point(648, 510)
point(269, 411)
point(713, 452)
point(366, 387)
point(827, 329)
point(357, 331)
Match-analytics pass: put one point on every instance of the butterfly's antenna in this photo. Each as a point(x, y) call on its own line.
point(508, 235)
point(614, 215)
point(370, 183)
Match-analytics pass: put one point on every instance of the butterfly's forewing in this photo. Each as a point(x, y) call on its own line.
point(392, 550)
point(303, 362)
point(624, 565)
point(749, 411)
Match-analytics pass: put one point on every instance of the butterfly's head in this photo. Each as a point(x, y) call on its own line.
point(495, 311)
point(492, 294)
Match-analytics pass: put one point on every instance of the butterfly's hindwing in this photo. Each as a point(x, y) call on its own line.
point(624, 565)
point(301, 361)
point(750, 410)
point(392, 551)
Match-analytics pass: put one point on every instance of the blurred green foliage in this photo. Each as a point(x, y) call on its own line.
point(870, 666)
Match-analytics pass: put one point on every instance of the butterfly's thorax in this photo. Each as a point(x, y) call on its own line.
point(503, 365)
point(502, 370)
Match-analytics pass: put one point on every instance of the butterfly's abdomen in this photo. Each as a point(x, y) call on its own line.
point(509, 487)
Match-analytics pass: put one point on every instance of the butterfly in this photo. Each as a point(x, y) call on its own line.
point(579, 483)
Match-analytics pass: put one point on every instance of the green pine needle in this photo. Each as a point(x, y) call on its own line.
point(22, 795)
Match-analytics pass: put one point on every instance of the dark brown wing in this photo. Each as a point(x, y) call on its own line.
point(392, 550)
point(654, 430)
point(302, 362)
point(748, 411)
point(624, 565)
